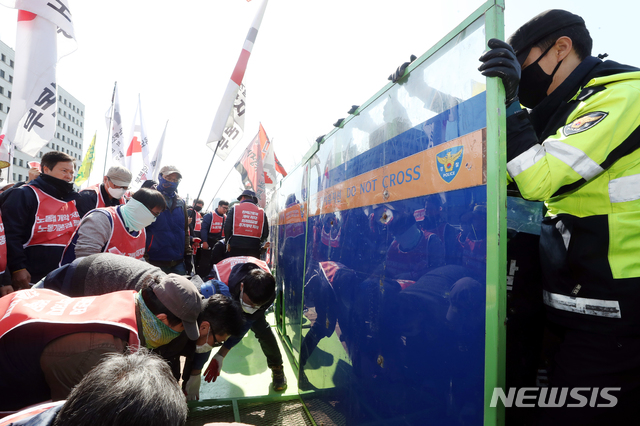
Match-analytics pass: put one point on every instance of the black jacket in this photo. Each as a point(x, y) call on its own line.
point(18, 216)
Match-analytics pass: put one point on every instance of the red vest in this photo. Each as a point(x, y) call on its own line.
point(223, 268)
point(198, 224)
point(55, 221)
point(216, 223)
point(29, 412)
point(248, 220)
point(100, 201)
point(115, 309)
point(3, 248)
point(121, 241)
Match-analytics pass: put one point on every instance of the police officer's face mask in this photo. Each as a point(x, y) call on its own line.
point(534, 82)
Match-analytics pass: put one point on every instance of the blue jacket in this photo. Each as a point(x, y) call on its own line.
point(166, 238)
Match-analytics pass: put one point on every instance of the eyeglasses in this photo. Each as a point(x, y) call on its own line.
point(216, 343)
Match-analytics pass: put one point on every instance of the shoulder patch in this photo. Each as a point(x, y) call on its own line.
point(584, 122)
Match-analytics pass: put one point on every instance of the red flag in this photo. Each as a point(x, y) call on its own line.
point(250, 168)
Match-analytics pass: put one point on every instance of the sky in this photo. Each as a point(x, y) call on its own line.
point(310, 63)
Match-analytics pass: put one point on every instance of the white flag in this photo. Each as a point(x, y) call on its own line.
point(31, 122)
point(234, 129)
point(137, 157)
point(222, 118)
point(156, 160)
point(117, 134)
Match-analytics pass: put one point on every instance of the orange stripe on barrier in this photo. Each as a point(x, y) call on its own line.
point(457, 164)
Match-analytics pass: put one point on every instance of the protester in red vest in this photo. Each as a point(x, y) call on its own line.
point(49, 341)
point(39, 219)
point(246, 227)
point(109, 193)
point(213, 225)
point(118, 230)
point(252, 285)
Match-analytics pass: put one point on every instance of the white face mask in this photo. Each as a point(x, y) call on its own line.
point(248, 309)
point(136, 215)
point(116, 193)
point(200, 349)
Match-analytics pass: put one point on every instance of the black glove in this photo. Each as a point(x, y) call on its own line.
point(501, 62)
point(400, 70)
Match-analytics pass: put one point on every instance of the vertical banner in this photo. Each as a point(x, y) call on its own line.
point(137, 157)
point(221, 119)
point(31, 122)
point(87, 163)
point(117, 135)
point(156, 160)
point(270, 162)
point(234, 129)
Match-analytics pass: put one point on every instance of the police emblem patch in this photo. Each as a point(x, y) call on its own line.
point(449, 162)
point(584, 122)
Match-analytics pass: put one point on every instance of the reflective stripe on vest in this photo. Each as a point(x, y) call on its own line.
point(216, 223)
point(581, 305)
point(121, 241)
point(570, 155)
point(55, 221)
point(248, 220)
point(626, 188)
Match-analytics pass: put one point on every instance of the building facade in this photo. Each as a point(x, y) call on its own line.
point(69, 134)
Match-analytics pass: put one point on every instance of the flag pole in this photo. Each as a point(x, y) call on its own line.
point(218, 190)
point(106, 154)
point(207, 174)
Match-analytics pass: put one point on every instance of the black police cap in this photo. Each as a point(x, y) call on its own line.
point(540, 27)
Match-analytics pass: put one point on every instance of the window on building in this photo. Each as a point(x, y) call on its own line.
point(1, 107)
point(1, 90)
point(65, 101)
point(19, 178)
point(62, 138)
point(11, 63)
point(58, 146)
point(9, 94)
point(81, 113)
point(4, 58)
point(15, 161)
point(80, 135)
point(2, 73)
point(21, 163)
point(14, 177)
point(0, 124)
point(10, 79)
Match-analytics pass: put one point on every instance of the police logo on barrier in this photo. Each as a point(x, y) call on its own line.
point(449, 162)
point(583, 123)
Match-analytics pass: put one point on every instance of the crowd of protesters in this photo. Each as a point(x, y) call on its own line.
point(106, 271)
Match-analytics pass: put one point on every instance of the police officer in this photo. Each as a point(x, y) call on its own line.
point(576, 148)
point(246, 227)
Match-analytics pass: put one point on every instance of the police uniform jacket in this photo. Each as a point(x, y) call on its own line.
point(578, 151)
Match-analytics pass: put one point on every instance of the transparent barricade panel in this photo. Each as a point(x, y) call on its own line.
point(394, 275)
point(292, 220)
